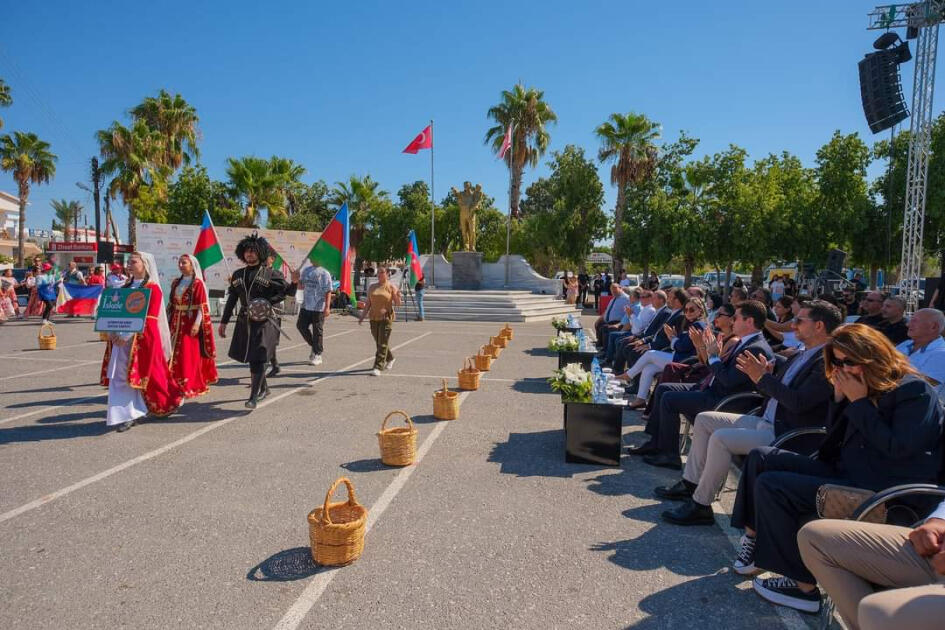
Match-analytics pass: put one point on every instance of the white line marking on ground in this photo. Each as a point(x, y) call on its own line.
point(104, 396)
point(296, 614)
point(31, 359)
point(65, 367)
point(32, 505)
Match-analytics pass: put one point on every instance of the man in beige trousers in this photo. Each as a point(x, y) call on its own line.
point(853, 560)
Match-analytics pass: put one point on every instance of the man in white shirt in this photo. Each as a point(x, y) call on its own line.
point(642, 318)
point(315, 283)
point(926, 348)
point(880, 576)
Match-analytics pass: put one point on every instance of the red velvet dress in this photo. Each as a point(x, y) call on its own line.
point(147, 367)
point(193, 361)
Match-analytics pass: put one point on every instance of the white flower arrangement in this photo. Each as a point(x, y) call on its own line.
point(559, 323)
point(565, 342)
point(573, 382)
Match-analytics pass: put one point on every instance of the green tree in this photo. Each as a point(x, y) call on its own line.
point(132, 157)
point(525, 109)
point(724, 217)
point(193, 193)
point(31, 162)
point(256, 186)
point(290, 175)
point(627, 141)
point(67, 214)
point(6, 99)
point(563, 214)
point(312, 211)
point(176, 122)
point(841, 181)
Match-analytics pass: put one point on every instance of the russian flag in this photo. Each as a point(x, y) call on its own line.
point(77, 299)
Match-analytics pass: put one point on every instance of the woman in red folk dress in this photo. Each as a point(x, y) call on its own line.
point(193, 359)
point(135, 365)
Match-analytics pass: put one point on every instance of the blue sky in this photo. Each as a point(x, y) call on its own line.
point(342, 89)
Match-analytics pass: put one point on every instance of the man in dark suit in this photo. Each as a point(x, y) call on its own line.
point(724, 379)
point(659, 318)
point(797, 395)
point(654, 337)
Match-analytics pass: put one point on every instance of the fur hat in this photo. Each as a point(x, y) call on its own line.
point(255, 242)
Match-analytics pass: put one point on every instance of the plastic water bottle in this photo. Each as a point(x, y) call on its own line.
point(595, 367)
point(582, 341)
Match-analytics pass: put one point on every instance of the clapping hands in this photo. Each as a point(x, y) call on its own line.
point(753, 366)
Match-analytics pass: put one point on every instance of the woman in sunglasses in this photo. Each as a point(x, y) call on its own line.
point(651, 364)
point(883, 429)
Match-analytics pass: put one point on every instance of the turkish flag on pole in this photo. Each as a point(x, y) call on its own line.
point(506, 142)
point(424, 140)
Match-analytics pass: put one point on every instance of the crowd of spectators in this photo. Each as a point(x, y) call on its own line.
point(864, 380)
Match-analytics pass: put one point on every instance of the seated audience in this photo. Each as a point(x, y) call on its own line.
point(883, 429)
point(681, 347)
point(797, 395)
point(926, 348)
point(724, 379)
point(631, 313)
point(880, 576)
point(712, 304)
point(612, 314)
point(632, 348)
point(849, 302)
point(695, 292)
point(872, 308)
point(643, 315)
point(894, 325)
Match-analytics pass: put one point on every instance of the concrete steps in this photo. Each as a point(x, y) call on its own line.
point(487, 306)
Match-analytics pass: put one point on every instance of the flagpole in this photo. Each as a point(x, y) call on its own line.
point(508, 222)
point(432, 215)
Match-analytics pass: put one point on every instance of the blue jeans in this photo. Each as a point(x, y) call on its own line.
point(419, 295)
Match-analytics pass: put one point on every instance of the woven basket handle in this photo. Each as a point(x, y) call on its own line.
point(482, 350)
point(351, 498)
point(44, 328)
point(446, 390)
point(394, 413)
point(470, 364)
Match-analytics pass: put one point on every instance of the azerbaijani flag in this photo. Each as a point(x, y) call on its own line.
point(416, 271)
point(207, 251)
point(279, 264)
point(333, 252)
point(78, 299)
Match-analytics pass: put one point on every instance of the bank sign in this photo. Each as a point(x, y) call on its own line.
point(122, 310)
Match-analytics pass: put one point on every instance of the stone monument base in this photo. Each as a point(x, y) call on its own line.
point(467, 271)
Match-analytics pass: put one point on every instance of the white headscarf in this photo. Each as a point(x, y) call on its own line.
point(198, 272)
point(151, 268)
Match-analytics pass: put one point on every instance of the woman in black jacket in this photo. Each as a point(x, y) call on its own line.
point(883, 429)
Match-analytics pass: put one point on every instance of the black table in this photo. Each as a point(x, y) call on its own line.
point(576, 356)
point(592, 433)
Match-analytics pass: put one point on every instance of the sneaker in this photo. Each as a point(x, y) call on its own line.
point(390, 364)
point(316, 359)
point(376, 372)
point(124, 426)
point(784, 591)
point(745, 558)
point(311, 357)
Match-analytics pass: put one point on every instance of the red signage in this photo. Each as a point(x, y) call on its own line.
point(84, 259)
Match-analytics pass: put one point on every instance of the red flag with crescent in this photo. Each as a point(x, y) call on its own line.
point(424, 140)
point(506, 142)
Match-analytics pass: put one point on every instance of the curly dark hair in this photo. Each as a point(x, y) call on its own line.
point(255, 242)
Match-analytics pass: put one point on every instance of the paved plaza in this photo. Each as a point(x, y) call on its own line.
point(199, 520)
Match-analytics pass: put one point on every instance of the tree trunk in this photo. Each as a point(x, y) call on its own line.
point(646, 271)
point(728, 279)
point(873, 270)
point(517, 172)
point(688, 264)
point(24, 190)
point(756, 278)
point(618, 230)
point(718, 280)
point(132, 226)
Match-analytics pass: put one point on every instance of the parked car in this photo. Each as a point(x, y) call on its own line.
point(669, 281)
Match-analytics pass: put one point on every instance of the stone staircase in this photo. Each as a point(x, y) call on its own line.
point(486, 306)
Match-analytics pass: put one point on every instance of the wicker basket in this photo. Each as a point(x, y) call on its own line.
point(47, 342)
point(398, 445)
point(506, 332)
point(492, 350)
point(469, 375)
point(336, 530)
point(499, 341)
point(483, 360)
point(103, 336)
point(445, 404)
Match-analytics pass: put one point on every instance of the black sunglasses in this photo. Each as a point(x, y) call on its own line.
point(843, 362)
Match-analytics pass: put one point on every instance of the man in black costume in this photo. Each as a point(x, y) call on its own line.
point(255, 337)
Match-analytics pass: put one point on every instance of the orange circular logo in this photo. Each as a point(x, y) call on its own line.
point(135, 302)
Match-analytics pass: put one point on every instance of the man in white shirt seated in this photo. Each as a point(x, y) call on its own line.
point(880, 576)
point(643, 315)
point(926, 348)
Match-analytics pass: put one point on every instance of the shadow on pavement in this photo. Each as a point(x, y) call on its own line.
point(635, 478)
point(72, 417)
point(58, 401)
point(539, 454)
point(40, 432)
point(682, 550)
point(366, 465)
point(533, 385)
point(540, 352)
point(285, 566)
point(61, 388)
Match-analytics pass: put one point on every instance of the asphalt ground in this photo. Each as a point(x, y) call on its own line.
point(199, 520)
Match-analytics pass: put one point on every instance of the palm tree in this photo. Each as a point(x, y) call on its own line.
point(176, 120)
point(5, 98)
point(31, 162)
point(253, 179)
point(290, 175)
point(628, 141)
point(529, 115)
point(68, 214)
point(132, 155)
point(361, 194)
